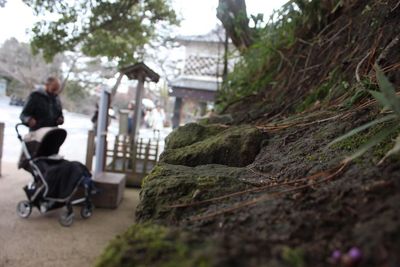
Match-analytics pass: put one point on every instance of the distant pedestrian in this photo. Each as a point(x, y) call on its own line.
point(43, 107)
point(131, 108)
point(157, 119)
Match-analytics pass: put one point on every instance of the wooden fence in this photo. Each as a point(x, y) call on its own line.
point(135, 159)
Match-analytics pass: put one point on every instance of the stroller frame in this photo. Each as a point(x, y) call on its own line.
point(37, 190)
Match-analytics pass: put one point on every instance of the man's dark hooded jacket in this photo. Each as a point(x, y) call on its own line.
point(45, 108)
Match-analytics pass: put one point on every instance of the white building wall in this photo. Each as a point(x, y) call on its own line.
point(204, 49)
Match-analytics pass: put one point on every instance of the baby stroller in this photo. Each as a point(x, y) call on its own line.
point(57, 183)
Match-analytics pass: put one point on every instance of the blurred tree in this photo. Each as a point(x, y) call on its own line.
point(75, 92)
point(88, 71)
point(76, 98)
point(117, 30)
point(233, 15)
point(26, 70)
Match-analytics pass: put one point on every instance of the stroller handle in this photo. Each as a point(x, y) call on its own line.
point(16, 129)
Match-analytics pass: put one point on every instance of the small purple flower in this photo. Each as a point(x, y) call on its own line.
point(355, 254)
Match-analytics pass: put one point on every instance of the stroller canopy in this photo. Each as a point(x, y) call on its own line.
point(45, 141)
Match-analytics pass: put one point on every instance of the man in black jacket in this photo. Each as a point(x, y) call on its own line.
point(43, 107)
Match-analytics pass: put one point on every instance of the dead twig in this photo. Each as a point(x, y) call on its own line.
point(266, 197)
point(252, 190)
point(395, 7)
point(359, 66)
point(283, 58)
point(310, 68)
point(336, 34)
point(385, 51)
point(271, 127)
point(282, 126)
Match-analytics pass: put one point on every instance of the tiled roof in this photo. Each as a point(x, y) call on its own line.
point(196, 84)
point(203, 66)
point(215, 36)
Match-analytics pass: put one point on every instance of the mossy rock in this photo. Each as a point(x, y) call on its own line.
point(170, 184)
point(236, 146)
point(144, 245)
point(191, 133)
point(217, 119)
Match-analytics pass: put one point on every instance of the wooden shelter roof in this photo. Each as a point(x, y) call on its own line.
point(134, 71)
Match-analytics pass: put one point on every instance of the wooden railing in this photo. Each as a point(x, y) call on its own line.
point(129, 157)
point(135, 159)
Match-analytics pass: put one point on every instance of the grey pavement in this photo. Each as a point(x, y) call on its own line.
point(41, 241)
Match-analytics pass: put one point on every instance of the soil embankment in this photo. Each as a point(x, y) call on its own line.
point(263, 188)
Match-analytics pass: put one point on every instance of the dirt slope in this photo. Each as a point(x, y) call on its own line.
point(296, 203)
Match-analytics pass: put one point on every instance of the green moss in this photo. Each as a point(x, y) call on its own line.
point(148, 244)
point(235, 146)
point(332, 88)
point(224, 119)
point(170, 184)
point(294, 257)
point(190, 134)
point(383, 147)
point(312, 157)
point(354, 142)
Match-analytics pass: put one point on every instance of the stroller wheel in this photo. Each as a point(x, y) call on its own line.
point(86, 211)
point(66, 218)
point(24, 209)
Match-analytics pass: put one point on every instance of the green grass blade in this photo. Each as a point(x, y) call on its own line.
point(388, 90)
point(376, 139)
point(395, 149)
point(380, 98)
point(362, 128)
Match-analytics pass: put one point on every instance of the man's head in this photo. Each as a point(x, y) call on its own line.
point(52, 85)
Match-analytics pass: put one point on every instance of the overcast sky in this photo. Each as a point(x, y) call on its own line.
point(199, 17)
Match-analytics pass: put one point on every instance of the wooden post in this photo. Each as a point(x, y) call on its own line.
point(90, 150)
point(115, 153)
point(138, 105)
point(1, 142)
point(176, 118)
point(133, 156)
point(105, 152)
point(139, 148)
point(146, 157)
point(156, 156)
point(203, 108)
point(125, 145)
